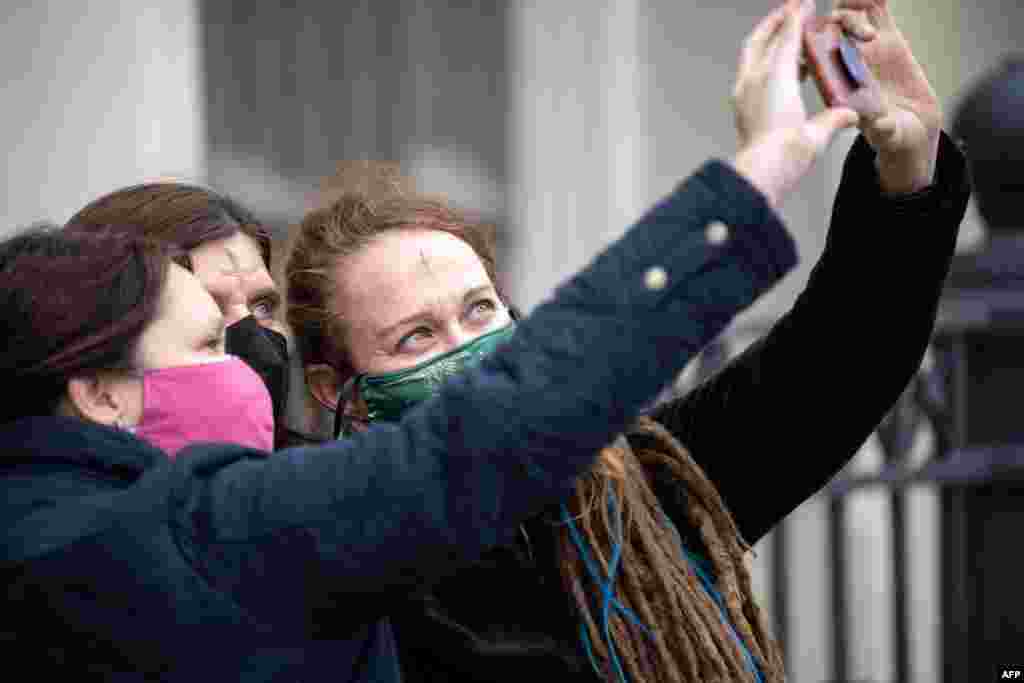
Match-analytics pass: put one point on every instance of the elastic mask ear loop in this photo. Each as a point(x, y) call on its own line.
point(140, 375)
point(343, 424)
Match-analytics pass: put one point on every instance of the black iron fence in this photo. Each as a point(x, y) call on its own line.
point(966, 393)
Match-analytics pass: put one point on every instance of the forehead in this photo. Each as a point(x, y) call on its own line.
point(237, 252)
point(402, 271)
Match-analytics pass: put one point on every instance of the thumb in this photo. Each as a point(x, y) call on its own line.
point(824, 126)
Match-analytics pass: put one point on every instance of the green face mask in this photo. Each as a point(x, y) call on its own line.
point(388, 396)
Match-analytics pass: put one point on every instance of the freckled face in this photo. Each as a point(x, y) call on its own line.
point(413, 294)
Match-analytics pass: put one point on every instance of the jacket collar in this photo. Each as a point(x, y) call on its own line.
point(68, 440)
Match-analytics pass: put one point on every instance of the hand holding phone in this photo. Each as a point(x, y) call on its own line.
point(835, 62)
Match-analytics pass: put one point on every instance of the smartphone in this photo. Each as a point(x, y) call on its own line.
point(838, 68)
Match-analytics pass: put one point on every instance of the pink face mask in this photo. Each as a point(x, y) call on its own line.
point(223, 401)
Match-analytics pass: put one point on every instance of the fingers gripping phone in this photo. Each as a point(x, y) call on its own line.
point(842, 77)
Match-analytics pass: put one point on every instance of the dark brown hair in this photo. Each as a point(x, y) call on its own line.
point(184, 216)
point(70, 305)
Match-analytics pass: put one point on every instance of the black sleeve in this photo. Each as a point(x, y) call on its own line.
point(775, 425)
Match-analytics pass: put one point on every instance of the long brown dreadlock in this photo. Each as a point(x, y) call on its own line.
point(683, 641)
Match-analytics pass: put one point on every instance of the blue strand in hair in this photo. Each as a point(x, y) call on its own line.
point(606, 588)
point(709, 585)
point(697, 563)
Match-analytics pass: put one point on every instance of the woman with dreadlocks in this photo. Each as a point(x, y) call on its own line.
point(640, 574)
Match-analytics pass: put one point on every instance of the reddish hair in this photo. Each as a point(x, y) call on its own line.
point(342, 229)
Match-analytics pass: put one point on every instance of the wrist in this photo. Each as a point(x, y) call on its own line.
point(750, 165)
point(773, 165)
point(910, 171)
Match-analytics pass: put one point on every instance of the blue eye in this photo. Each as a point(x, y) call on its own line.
point(262, 310)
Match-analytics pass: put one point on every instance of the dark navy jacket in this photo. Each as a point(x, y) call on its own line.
point(226, 564)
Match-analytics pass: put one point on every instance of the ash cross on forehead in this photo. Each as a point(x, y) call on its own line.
point(426, 262)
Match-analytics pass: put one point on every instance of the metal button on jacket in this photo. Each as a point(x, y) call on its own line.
point(717, 233)
point(655, 278)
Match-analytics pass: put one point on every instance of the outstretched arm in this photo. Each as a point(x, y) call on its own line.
point(401, 504)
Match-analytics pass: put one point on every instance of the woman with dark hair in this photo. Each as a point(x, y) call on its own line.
point(108, 329)
point(93, 326)
point(228, 250)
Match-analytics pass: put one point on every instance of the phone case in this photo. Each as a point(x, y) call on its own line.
point(842, 77)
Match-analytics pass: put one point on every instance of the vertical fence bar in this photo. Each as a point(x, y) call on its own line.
point(955, 655)
point(840, 614)
point(901, 613)
point(896, 435)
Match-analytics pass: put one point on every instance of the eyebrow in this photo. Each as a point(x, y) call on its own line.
point(387, 331)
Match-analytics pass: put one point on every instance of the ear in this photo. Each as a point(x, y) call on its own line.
point(324, 384)
point(104, 397)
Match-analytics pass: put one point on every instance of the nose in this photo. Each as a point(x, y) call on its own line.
point(457, 335)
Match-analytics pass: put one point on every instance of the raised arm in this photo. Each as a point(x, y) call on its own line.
point(799, 403)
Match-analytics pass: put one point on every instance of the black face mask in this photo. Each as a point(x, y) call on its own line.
point(266, 352)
